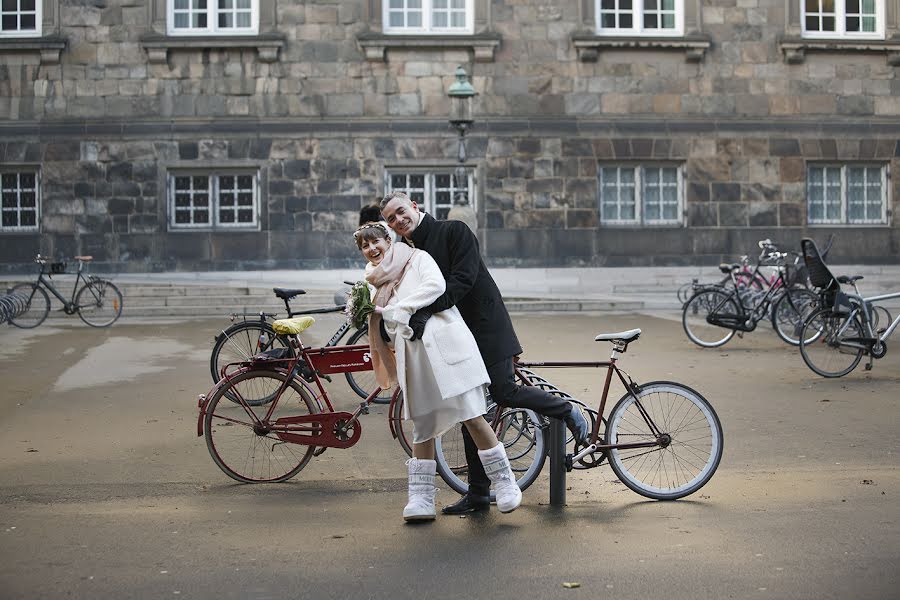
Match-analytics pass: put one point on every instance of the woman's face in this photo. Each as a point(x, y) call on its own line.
point(373, 250)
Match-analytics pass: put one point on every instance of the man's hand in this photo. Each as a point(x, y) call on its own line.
point(417, 323)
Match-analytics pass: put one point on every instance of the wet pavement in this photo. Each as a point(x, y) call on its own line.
point(107, 492)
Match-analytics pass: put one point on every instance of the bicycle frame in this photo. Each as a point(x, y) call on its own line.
point(68, 305)
point(630, 386)
point(858, 303)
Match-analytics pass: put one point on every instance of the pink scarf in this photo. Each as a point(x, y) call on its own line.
point(385, 277)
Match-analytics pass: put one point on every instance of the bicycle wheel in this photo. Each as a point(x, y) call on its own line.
point(690, 440)
point(522, 434)
point(791, 311)
point(704, 303)
point(824, 343)
point(402, 427)
point(245, 451)
point(363, 382)
point(242, 340)
point(99, 303)
point(38, 305)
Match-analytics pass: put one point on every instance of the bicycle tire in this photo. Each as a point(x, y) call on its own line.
point(402, 427)
point(242, 340)
point(522, 433)
point(237, 448)
point(99, 303)
point(38, 306)
point(363, 382)
point(679, 468)
point(820, 343)
point(695, 313)
point(791, 311)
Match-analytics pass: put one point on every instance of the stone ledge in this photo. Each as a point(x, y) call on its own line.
point(589, 46)
point(158, 46)
point(50, 48)
point(795, 48)
point(375, 45)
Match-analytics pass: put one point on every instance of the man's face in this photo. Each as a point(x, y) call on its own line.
point(401, 215)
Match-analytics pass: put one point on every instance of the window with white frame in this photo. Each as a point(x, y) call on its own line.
point(20, 18)
point(640, 17)
point(212, 17)
point(428, 16)
point(851, 194)
point(842, 18)
point(19, 200)
point(213, 200)
point(436, 191)
point(640, 195)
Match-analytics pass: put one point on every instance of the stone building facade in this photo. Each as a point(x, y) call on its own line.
point(249, 133)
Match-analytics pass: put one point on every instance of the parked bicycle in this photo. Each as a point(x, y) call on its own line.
point(251, 336)
point(837, 336)
point(97, 301)
point(268, 416)
point(714, 314)
point(662, 439)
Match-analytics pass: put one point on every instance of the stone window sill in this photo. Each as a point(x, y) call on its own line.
point(589, 46)
point(376, 45)
point(795, 48)
point(158, 46)
point(50, 48)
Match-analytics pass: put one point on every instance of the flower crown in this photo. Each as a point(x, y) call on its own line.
point(372, 225)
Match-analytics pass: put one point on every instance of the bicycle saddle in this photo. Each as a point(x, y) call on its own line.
point(286, 294)
point(623, 336)
point(728, 268)
point(292, 326)
point(849, 278)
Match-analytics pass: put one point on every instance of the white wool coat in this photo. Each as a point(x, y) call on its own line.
point(449, 345)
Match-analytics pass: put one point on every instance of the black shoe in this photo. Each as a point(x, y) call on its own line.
point(578, 425)
point(466, 504)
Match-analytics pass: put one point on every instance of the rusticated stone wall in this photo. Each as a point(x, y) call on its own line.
point(321, 121)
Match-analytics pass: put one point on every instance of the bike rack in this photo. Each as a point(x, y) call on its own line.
point(557, 462)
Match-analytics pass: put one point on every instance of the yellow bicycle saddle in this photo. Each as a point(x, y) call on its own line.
point(292, 326)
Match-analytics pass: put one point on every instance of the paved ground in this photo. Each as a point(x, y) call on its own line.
point(106, 492)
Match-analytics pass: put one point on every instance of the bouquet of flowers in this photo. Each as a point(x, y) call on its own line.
point(359, 304)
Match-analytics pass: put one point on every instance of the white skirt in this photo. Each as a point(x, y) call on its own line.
point(432, 416)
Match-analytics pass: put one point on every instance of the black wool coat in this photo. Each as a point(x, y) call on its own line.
point(469, 286)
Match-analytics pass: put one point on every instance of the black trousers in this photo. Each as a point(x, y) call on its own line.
point(507, 393)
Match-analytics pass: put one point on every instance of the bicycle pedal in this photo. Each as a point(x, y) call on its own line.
point(868, 366)
point(568, 461)
point(319, 451)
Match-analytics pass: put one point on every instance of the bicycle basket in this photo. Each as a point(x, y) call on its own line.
point(58, 268)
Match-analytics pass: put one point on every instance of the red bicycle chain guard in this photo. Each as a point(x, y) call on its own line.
point(320, 430)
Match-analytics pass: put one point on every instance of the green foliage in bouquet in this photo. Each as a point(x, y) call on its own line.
point(359, 304)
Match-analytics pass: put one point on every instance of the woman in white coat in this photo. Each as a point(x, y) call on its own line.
point(442, 375)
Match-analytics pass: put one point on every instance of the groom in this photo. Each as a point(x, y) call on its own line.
point(472, 290)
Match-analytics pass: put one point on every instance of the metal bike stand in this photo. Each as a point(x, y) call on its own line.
point(557, 462)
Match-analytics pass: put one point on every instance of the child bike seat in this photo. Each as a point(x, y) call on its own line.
point(623, 336)
point(292, 326)
point(286, 294)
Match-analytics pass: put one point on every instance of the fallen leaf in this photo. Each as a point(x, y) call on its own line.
point(571, 584)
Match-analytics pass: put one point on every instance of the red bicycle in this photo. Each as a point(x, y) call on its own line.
point(268, 416)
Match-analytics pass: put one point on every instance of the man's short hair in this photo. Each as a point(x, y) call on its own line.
point(395, 194)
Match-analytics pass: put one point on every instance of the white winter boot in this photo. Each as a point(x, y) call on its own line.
point(421, 490)
point(496, 465)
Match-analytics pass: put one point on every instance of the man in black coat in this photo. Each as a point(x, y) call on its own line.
point(473, 291)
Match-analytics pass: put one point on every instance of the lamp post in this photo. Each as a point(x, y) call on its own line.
point(461, 93)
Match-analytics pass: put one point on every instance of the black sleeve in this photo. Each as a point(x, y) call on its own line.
point(465, 261)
